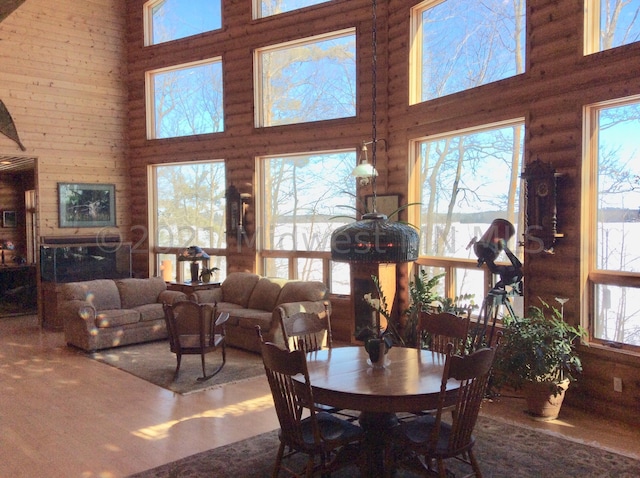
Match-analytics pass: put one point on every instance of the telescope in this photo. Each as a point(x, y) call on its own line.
point(489, 247)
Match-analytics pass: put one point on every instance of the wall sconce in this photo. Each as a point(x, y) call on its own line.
point(237, 204)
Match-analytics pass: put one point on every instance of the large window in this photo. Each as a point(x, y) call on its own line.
point(613, 221)
point(266, 8)
point(302, 197)
point(189, 201)
point(167, 20)
point(309, 80)
point(185, 100)
point(461, 44)
point(610, 24)
point(463, 181)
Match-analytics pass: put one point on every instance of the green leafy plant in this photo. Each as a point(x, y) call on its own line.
point(540, 347)
point(371, 336)
point(206, 273)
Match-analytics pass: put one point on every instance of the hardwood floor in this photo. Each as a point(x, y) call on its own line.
point(63, 415)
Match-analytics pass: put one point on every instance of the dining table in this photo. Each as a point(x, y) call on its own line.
point(409, 381)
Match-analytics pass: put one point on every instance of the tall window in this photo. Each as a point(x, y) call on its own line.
point(167, 20)
point(189, 201)
point(266, 8)
point(309, 80)
point(463, 181)
point(185, 100)
point(302, 197)
point(610, 24)
point(458, 44)
point(613, 222)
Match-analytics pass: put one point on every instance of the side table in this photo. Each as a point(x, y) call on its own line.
point(190, 287)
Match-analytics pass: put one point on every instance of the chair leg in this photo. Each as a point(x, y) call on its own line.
point(278, 463)
point(179, 359)
point(474, 464)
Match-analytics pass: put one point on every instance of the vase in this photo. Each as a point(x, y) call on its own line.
point(195, 271)
point(377, 349)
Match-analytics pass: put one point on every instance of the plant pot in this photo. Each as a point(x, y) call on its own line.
point(205, 277)
point(542, 404)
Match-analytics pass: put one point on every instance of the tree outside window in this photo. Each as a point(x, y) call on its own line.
point(187, 100)
point(458, 45)
point(168, 20)
point(311, 80)
point(610, 24)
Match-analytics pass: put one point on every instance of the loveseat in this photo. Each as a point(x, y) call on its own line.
point(254, 300)
point(103, 313)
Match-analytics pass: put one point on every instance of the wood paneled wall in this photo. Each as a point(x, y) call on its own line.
point(63, 79)
point(558, 82)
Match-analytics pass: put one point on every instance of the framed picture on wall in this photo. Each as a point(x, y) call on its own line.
point(86, 205)
point(385, 204)
point(9, 219)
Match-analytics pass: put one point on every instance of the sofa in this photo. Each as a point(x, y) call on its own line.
point(254, 300)
point(104, 313)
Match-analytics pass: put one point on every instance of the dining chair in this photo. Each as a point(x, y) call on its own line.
point(192, 331)
point(310, 331)
point(416, 444)
point(437, 330)
point(336, 442)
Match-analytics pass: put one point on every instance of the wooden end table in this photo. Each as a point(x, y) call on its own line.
point(190, 287)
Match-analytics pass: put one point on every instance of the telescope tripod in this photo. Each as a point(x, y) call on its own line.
point(483, 333)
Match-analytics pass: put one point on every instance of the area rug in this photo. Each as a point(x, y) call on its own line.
point(155, 363)
point(503, 450)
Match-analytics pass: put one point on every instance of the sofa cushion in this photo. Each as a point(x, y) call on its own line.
point(231, 308)
point(116, 318)
point(265, 293)
point(101, 293)
point(150, 312)
point(249, 318)
point(299, 291)
point(237, 287)
point(137, 292)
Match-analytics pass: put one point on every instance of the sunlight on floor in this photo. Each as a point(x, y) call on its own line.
point(161, 431)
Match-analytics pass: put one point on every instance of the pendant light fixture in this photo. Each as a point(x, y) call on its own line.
point(373, 239)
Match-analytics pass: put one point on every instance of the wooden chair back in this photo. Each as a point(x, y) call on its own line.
point(290, 397)
point(440, 329)
point(473, 372)
point(192, 330)
point(309, 331)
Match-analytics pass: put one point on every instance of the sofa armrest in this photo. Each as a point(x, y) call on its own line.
point(207, 296)
point(79, 321)
point(171, 296)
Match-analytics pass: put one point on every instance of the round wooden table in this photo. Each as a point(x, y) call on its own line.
point(410, 381)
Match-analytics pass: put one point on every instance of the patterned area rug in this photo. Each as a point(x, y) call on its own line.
point(503, 450)
point(155, 363)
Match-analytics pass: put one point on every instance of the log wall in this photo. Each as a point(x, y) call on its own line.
point(558, 82)
point(63, 80)
point(73, 78)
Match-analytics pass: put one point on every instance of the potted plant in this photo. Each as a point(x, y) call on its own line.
point(537, 354)
point(207, 273)
point(378, 338)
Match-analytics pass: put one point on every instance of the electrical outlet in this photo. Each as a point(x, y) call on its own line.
point(617, 384)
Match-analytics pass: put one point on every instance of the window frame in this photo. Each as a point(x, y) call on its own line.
point(150, 95)
point(592, 30)
point(452, 265)
point(156, 251)
point(290, 256)
point(591, 276)
point(258, 90)
point(147, 21)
